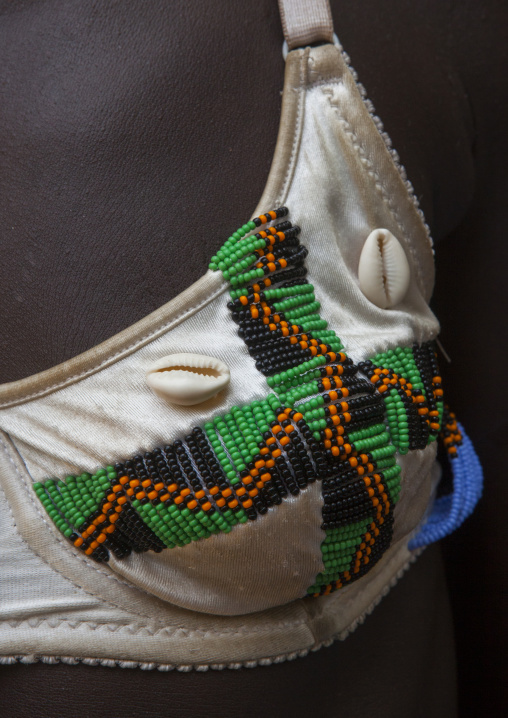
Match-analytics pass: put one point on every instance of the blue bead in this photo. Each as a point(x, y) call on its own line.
point(449, 512)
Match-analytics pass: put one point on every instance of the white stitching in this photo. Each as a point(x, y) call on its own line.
point(146, 629)
point(298, 129)
point(125, 351)
point(31, 496)
point(369, 165)
point(185, 667)
point(95, 567)
point(388, 142)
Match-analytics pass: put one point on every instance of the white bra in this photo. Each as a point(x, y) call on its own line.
point(237, 591)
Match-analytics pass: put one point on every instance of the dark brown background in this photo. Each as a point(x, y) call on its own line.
point(133, 137)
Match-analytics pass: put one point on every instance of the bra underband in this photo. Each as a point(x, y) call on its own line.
point(268, 519)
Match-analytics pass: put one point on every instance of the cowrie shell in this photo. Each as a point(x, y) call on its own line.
point(383, 272)
point(187, 379)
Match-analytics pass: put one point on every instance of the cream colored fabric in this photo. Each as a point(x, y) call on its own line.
point(306, 21)
point(338, 178)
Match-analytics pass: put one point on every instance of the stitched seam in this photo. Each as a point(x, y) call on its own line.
point(379, 185)
point(58, 538)
point(298, 129)
point(388, 143)
point(125, 351)
point(131, 629)
point(114, 662)
point(88, 563)
point(183, 667)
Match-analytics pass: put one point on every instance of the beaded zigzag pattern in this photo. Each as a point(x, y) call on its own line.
point(326, 419)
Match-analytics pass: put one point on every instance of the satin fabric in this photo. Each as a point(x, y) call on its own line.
point(235, 597)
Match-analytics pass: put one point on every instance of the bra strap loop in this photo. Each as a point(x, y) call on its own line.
point(306, 21)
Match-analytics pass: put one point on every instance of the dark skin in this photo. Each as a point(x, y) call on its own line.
point(134, 136)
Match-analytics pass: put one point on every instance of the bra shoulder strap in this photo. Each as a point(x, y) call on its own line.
point(306, 21)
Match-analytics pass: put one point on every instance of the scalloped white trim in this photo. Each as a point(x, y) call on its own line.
point(388, 142)
point(201, 667)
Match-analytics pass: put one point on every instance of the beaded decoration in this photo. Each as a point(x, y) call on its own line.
point(326, 419)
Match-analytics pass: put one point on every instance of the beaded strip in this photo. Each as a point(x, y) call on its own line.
point(325, 419)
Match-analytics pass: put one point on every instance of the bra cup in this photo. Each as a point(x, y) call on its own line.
point(258, 565)
point(340, 182)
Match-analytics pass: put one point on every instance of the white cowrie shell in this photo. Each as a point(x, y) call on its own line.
point(383, 272)
point(187, 379)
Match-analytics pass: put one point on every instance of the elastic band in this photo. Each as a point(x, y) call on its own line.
point(449, 512)
point(305, 22)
